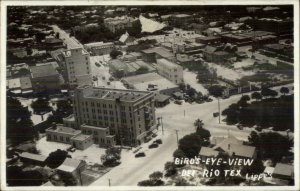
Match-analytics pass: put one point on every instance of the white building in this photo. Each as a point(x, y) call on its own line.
point(170, 70)
point(99, 48)
point(77, 66)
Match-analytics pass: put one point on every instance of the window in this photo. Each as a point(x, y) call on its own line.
point(110, 106)
point(61, 138)
point(68, 139)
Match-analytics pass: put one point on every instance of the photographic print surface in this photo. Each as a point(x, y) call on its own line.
point(150, 95)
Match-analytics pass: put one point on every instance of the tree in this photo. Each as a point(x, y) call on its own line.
point(29, 51)
point(178, 153)
point(284, 90)
point(216, 90)
point(198, 124)
point(56, 158)
point(19, 126)
point(190, 145)
point(179, 181)
point(16, 177)
point(170, 169)
point(64, 107)
point(41, 106)
point(203, 133)
point(115, 53)
point(271, 145)
point(266, 92)
point(256, 167)
point(256, 95)
point(157, 175)
point(111, 157)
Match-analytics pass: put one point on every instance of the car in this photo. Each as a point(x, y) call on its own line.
point(158, 141)
point(216, 114)
point(209, 100)
point(140, 154)
point(154, 135)
point(178, 102)
point(153, 145)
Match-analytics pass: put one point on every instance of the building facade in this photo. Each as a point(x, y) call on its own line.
point(77, 67)
point(99, 48)
point(170, 70)
point(128, 114)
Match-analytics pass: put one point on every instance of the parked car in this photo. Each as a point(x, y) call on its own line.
point(178, 102)
point(154, 135)
point(209, 100)
point(153, 145)
point(216, 114)
point(140, 154)
point(158, 141)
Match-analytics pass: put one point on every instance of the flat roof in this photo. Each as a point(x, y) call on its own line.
point(25, 83)
point(163, 52)
point(43, 71)
point(81, 137)
point(283, 169)
point(31, 156)
point(113, 94)
point(69, 165)
point(62, 129)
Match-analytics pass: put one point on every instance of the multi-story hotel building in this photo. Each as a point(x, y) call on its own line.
point(76, 62)
point(128, 114)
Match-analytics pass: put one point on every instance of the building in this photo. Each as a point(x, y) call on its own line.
point(72, 167)
point(236, 39)
point(76, 64)
point(119, 23)
point(45, 76)
point(170, 70)
point(151, 82)
point(161, 100)
point(33, 159)
point(101, 136)
point(128, 114)
point(215, 54)
point(230, 145)
point(128, 66)
point(99, 48)
point(152, 54)
point(189, 48)
point(54, 43)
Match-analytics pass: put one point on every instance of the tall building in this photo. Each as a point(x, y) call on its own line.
point(170, 70)
point(76, 62)
point(128, 114)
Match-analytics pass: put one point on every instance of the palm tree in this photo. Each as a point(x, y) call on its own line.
point(198, 124)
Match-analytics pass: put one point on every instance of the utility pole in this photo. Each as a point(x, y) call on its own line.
point(177, 135)
point(184, 113)
point(162, 125)
point(109, 182)
point(219, 110)
point(80, 176)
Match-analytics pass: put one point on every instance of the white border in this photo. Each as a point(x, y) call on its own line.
point(5, 3)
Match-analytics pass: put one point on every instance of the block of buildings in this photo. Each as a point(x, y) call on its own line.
point(151, 82)
point(215, 54)
point(99, 48)
point(128, 114)
point(76, 64)
point(170, 70)
point(45, 76)
point(208, 40)
point(119, 23)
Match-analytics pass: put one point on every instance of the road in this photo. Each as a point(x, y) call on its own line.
point(71, 42)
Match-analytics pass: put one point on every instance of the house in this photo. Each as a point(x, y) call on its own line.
point(34, 159)
point(72, 167)
point(152, 54)
point(170, 70)
point(230, 145)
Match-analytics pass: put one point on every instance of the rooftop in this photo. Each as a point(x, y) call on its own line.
point(167, 63)
point(81, 137)
point(283, 169)
point(113, 94)
point(69, 165)
point(63, 129)
point(31, 156)
point(43, 71)
point(208, 152)
point(163, 52)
